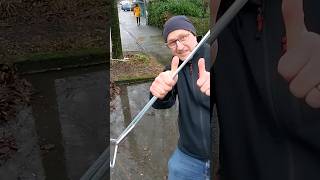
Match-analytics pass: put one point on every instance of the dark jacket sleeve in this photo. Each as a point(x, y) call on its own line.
point(169, 100)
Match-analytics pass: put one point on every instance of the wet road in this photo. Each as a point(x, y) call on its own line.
point(145, 152)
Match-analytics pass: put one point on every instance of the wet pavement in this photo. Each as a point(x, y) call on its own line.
point(70, 115)
point(142, 38)
point(147, 148)
point(83, 117)
point(26, 162)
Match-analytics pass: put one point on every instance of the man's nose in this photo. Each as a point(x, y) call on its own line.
point(179, 45)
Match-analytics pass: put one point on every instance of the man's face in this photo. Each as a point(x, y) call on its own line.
point(181, 43)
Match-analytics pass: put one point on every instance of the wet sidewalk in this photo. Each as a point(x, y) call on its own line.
point(147, 148)
point(142, 38)
point(69, 111)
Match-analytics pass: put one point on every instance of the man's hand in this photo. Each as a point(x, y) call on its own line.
point(164, 82)
point(300, 65)
point(204, 78)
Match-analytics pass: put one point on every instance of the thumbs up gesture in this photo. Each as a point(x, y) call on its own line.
point(204, 78)
point(164, 81)
point(300, 65)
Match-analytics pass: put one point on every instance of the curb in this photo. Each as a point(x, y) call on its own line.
point(135, 81)
point(59, 61)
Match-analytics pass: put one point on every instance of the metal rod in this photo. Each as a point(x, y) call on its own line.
point(114, 156)
point(96, 165)
point(224, 20)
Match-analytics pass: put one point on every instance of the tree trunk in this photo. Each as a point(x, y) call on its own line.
point(115, 32)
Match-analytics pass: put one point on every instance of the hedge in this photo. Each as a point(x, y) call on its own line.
point(160, 11)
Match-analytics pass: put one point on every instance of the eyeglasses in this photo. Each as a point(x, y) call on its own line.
point(172, 44)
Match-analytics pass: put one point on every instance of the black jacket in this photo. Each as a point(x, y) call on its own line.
point(194, 108)
point(266, 132)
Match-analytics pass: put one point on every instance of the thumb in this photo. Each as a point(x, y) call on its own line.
point(174, 63)
point(202, 67)
point(293, 15)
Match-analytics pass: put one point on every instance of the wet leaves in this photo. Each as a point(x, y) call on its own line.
point(13, 91)
point(114, 91)
point(46, 148)
point(8, 147)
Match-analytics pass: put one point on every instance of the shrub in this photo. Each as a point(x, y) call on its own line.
point(201, 24)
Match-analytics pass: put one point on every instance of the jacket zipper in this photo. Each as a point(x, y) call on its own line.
point(200, 109)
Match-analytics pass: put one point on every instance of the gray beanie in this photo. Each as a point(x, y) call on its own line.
point(175, 23)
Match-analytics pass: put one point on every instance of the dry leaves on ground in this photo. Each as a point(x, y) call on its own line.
point(138, 66)
point(114, 91)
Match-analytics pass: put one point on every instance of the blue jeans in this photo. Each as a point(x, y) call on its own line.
point(184, 167)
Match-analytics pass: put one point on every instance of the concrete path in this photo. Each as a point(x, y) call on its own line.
point(144, 154)
point(142, 38)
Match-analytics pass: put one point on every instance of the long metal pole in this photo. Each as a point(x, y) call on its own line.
point(225, 19)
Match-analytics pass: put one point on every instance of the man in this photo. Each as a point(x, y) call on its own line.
point(266, 80)
point(192, 85)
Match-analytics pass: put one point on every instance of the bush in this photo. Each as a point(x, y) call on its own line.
point(201, 24)
point(160, 11)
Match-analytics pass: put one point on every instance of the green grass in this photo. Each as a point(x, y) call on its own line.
point(130, 79)
point(40, 62)
point(43, 56)
point(145, 59)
